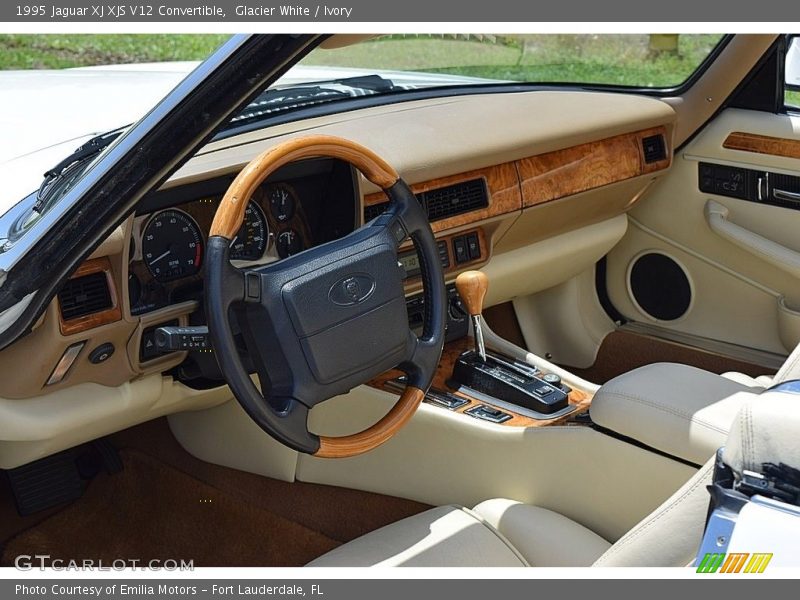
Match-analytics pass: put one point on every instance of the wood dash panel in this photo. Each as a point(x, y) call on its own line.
point(762, 144)
point(501, 181)
point(585, 167)
point(104, 317)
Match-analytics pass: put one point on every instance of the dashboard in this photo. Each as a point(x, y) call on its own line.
point(301, 206)
point(493, 203)
point(531, 201)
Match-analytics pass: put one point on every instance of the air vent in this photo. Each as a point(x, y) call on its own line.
point(444, 202)
point(654, 148)
point(455, 199)
point(85, 295)
point(374, 210)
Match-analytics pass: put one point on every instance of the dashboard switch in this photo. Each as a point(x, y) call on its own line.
point(182, 339)
point(102, 353)
point(473, 246)
point(460, 250)
point(488, 413)
point(253, 286)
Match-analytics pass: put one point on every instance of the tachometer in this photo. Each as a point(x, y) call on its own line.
point(251, 241)
point(172, 247)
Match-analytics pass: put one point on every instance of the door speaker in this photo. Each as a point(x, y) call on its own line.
point(659, 286)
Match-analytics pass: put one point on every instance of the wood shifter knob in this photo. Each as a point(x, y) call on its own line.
point(472, 286)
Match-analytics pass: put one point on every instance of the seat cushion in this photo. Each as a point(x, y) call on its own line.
point(543, 537)
point(447, 536)
point(678, 409)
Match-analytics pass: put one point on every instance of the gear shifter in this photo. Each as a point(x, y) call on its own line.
point(501, 378)
point(472, 286)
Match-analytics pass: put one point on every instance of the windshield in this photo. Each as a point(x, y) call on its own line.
point(644, 60)
point(401, 63)
point(117, 91)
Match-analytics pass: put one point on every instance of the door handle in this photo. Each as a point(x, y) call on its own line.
point(780, 256)
point(784, 195)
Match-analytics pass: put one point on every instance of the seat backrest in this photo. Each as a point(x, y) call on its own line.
point(671, 534)
point(790, 369)
point(765, 430)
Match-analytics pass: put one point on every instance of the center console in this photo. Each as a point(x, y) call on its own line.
point(517, 385)
point(485, 384)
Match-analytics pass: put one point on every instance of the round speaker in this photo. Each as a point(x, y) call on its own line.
point(659, 286)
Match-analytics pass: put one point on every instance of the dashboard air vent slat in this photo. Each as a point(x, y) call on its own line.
point(85, 295)
point(455, 199)
point(654, 148)
point(374, 210)
point(444, 202)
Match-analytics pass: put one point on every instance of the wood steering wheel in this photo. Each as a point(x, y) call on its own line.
point(328, 319)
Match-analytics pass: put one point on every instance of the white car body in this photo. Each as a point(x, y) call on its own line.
point(47, 114)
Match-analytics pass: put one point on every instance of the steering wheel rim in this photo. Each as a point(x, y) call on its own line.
point(227, 286)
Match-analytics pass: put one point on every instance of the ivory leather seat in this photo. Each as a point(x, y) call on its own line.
point(677, 409)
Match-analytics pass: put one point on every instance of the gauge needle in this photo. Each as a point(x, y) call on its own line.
point(233, 241)
point(158, 258)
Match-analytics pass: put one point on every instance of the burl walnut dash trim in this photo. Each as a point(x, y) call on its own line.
point(86, 322)
point(762, 144)
point(586, 167)
point(502, 182)
point(581, 400)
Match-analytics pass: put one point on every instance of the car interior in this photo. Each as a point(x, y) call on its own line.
point(522, 323)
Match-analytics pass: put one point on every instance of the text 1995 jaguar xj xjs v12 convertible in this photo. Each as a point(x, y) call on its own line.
point(318, 301)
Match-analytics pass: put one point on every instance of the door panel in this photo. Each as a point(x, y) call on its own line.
point(741, 257)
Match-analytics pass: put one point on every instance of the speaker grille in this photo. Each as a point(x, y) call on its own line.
point(660, 286)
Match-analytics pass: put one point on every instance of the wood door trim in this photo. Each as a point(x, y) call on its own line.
point(762, 144)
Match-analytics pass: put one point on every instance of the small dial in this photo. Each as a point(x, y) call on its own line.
point(282, 203)
point(289, 242)
point(251, 240)
point(172, 247)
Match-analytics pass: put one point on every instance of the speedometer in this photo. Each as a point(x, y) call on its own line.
point(251, 240)
point(172, 247)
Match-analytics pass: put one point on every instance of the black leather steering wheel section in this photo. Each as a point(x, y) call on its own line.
point(326, 320)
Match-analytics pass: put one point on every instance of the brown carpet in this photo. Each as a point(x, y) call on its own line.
point(622, 351)
point(168, 504)
point(338, 513)
point(152, 511)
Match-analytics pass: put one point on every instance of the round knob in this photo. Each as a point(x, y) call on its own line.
point(552, 379)
point(456, 309)
point(472, 286)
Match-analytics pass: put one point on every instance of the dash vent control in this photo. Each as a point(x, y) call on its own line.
point(654, 148)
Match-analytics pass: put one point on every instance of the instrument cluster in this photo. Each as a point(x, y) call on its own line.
point(282, 218)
